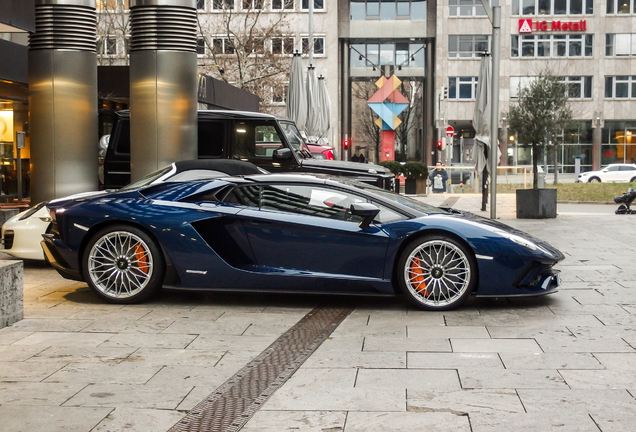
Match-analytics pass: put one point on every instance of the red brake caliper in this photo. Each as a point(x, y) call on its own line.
point(142, 259)
point(416, 276)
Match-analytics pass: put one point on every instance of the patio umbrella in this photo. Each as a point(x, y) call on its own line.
point(325, 107)
point(296, 93)
point(312, 124)
point(481, 123)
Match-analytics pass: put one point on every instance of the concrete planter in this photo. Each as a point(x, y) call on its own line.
point(415, 186)
point(536, 203)
point(11, 298)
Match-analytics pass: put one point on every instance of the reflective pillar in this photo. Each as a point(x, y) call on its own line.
point(163, 83)
point(63, 99)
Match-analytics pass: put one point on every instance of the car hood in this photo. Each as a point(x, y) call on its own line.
point(337, 167)
point(502, 228)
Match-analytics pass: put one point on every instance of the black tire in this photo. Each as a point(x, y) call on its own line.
point(633, 180)
point(437, 272)
point(594, 180)
point(122, 264)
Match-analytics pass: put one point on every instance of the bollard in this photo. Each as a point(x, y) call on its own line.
point(461, 186)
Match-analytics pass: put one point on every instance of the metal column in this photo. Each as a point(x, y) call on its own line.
point(63, 99)
point(163, 84)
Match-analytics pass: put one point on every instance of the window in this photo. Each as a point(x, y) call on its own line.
point(465, 8)
point(310, 201)
point(551, 7)
point(388, 10)
point(568, 45)
point(201, 4)
point(620, 45)
point(200, 46)
point(278, 93)
point(282, 4)
point(467, 46)
point(319, 45)
point(318, 4)
point(107, 46)
point(579, 87)
point(620, 87)
point(112, 5)
point(222, 46)
point(222, 4)
point(621, 7)
point(399, 54)
point(211, 138)
point(253, 4)
point(255, 140)
point(282, 45)
point(462, 87)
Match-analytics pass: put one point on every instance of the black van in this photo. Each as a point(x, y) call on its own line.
point(268, 142)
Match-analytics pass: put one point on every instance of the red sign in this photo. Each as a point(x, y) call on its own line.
point(450, 131)
point(528, 26)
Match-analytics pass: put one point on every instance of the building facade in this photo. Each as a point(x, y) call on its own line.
point(589, 44)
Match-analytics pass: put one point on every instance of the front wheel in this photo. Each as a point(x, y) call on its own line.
point(594, 180)
point(437, 272)
point(122, 264)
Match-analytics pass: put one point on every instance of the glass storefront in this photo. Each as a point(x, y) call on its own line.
point(619, 142)
point(13, 118)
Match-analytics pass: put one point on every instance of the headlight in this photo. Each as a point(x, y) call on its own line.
point(523, 242)
point(527, 243)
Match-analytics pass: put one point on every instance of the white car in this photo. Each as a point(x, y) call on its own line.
point(22, 234)
point(613, 173)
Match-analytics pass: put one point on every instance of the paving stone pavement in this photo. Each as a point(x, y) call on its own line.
point(564, 362)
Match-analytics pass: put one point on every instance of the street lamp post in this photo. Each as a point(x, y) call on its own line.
point(494, 15)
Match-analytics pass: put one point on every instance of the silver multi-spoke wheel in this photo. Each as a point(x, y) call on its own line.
point(437, 273)
point(120, 265)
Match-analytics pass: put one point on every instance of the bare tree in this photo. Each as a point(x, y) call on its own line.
point(113, 27)
point(250, 49)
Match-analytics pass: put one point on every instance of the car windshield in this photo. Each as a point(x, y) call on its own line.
point(404, 200)
point(146, 180)
point(295, 139)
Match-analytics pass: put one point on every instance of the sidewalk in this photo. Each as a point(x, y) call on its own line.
point(565, 362)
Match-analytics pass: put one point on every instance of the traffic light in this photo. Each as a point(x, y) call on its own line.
point(345, 144)
point(445, 92)
point(440, 145)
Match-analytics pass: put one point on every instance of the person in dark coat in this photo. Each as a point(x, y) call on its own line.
point(438, 177)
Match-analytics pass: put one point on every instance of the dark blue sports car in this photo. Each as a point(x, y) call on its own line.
point(291, 233)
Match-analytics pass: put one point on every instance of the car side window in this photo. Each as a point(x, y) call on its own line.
point(613, 168)
point(255, 140)
point(627, 168)
point(310, 201)
point(211, 138)
point(246, 196)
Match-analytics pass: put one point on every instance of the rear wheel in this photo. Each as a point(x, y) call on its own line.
point(594, 180)
point(633, 180)
point(437, 272)
point(122, 264)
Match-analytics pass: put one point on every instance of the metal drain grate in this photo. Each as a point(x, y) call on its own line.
point(238, 399)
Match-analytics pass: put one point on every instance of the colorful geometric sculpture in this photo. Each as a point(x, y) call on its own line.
point(388, 103)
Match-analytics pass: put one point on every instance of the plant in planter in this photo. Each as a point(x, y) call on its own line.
point(416, 174)
point(541, 113)
point(394, 166)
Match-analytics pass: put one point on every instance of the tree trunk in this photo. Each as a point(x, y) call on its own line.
point(555, 155)
point(535, 164)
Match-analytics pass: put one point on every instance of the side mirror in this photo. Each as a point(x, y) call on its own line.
point(282, 154)
point(365, 210)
